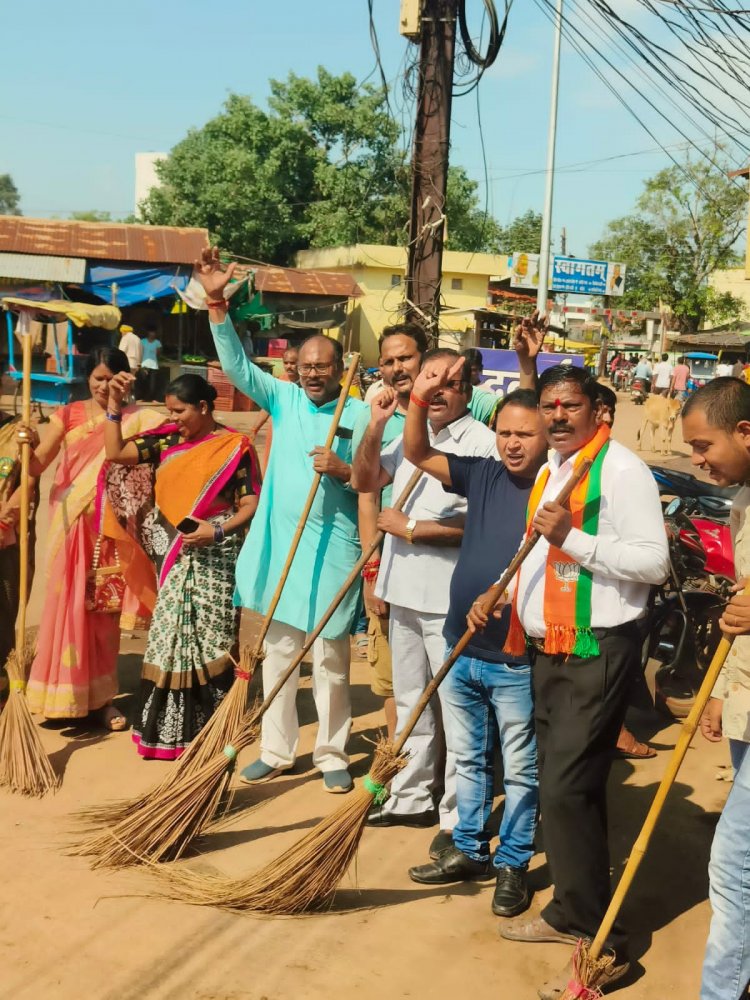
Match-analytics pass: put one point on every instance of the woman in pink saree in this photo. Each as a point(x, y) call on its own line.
point(74, 672)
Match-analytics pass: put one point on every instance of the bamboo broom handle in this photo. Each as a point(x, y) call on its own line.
point(675, 761)
point(355, 571)
point(493, 596)
point(23, 526)
point(346, 385)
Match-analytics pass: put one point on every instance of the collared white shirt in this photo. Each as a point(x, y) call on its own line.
point(130, 345)
point(418, 576)
point(627, 555)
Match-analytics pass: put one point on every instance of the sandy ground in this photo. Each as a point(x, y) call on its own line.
point(66, 931)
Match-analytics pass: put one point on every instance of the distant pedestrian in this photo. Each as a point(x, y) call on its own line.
point(130, 345)
point(150, 351)
point(662, 376)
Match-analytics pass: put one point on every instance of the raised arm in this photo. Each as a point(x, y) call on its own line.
point(115, 448)
point(527, 343)
point(417, 448)
point(45, 452)
point(245, 375)
point(368, 475)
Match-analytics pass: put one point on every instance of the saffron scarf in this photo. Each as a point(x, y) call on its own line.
point(567, 584)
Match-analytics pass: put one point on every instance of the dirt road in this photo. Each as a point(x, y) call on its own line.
point(66, 931)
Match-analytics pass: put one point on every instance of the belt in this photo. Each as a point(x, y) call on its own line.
point(626, 629)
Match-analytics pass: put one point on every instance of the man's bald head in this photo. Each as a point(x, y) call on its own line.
point(320, 365)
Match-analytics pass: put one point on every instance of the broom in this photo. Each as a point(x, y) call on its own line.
point(590, 964)
point(171, 821)
point(307, 875)
point(225, 721)
point(24, 766)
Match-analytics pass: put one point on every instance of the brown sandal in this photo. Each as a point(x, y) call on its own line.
point(113, 719)
point(632, 749)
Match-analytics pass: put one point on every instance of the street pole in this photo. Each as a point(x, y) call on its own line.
point(430, 165)
point(544, 254)
point(563, 251)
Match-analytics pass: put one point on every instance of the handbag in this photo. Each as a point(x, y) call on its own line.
point(105, 585)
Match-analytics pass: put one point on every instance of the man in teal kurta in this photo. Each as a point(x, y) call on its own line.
point(328, 549)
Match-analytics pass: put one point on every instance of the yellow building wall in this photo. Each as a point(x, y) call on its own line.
point(735, 280)
point(372, 267)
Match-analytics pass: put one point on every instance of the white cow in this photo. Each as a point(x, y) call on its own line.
point(659, 411)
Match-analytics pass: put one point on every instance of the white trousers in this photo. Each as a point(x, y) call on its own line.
point(330, 688)
point(418, 652)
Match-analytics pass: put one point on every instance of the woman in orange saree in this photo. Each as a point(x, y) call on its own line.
point(206, 492)
point(74, 672)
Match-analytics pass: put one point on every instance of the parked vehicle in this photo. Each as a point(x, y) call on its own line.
point(683, 628)
point(702, 369)
point(699, 499)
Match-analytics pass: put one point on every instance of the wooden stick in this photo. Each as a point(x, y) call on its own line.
point(340, 595)
point(346, 385)
point(493, 596)
point(23, 525)
point(689, 727)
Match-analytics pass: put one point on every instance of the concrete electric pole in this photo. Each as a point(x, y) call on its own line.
point(437, 40)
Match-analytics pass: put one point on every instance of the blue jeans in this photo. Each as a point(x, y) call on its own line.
point(726, 966)
point(476, 690)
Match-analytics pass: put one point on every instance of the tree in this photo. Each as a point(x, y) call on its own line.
point(94, 215)
point(10, 199)
point(522, 235)
point(324, 166)
point(686, 225)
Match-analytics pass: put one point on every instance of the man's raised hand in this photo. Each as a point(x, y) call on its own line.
point(209, 272)
point(383, 406)
point(436, 374)
point(529, 335)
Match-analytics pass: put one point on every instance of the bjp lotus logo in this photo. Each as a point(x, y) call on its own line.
point(566, 573)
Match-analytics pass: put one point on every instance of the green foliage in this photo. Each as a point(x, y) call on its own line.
point(324, 166)
point(687, 223)
point(522, 235)
point(10, 199)
point(91, 216)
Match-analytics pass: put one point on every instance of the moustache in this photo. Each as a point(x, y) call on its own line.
point(561, 426)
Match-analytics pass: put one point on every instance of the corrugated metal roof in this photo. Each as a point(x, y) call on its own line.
point(290, 281)
point(101, 240)
point(35, 267)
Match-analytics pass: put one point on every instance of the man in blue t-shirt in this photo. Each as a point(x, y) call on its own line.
point(485, 681)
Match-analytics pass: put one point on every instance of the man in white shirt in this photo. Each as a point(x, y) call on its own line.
point(582, 668)
point(662, 376)
point(419, 555)
point(130, 345)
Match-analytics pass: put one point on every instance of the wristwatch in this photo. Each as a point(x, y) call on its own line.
point(410, 526)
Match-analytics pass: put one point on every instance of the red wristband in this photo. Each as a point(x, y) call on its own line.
point(216, 303)
point(423, 404)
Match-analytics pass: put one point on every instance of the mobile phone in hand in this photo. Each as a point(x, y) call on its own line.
point(187, 525)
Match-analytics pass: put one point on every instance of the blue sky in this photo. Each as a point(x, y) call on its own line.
point(84, 86)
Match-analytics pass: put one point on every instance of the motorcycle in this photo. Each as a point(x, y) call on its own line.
point(638, 390)
point(699, 499)
point(683, 627)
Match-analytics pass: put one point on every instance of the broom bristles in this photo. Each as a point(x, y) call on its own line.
point(171, 817)
point(304, 877)
point(588, 973)
point(24, 766)
point(231, 716)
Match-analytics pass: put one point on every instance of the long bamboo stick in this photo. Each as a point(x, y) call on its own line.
point(689, 727)
point(492, 597)
point(332, 431)
point(23, 526)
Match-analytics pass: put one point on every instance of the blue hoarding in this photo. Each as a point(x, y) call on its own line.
point(501, 373)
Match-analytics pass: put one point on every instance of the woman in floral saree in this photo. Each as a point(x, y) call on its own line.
point(75, 668)
point(208, 473)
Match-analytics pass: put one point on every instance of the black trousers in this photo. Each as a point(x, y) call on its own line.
point(579, 708)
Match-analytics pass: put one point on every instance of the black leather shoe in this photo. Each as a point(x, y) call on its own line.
point(452, 866)
point(379, 817)
point(441, 842)
point(511, 892)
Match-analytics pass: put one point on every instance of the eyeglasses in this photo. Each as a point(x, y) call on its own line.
point(320, 369)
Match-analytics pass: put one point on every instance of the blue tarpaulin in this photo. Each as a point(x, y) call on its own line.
point(135, 284)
